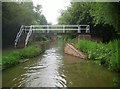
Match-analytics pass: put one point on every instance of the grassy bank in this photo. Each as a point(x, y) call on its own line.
point(13, 58)
point(105, 54)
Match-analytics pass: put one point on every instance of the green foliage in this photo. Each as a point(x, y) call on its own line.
point(70, 40)
point(92, 13)
point(39, 37)
point(16, 14)
point(106, 13)
point(13, 58)
point(30, 51)
point(76, 13)
point(107, 54)
point(10, 59)
point(0, 58)
point(113, 59)
point(103, 17)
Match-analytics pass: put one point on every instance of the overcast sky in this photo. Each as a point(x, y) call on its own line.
point(51, 8)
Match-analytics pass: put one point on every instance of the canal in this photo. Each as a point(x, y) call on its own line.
point(53, 68)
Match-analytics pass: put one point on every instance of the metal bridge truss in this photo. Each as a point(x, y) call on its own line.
point(51, 29)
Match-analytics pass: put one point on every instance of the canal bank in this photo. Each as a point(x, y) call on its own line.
point(13, 58)
point(53, 68)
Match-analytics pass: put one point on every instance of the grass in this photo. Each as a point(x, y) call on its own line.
point(106, 54)
point(0, 61)
point(13, 58)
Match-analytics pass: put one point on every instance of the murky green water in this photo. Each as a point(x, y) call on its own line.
point(53, 68)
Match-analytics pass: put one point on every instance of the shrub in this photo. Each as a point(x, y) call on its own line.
point(106, 53)
point(13, 58)
point(10, 59)
point(30, 51)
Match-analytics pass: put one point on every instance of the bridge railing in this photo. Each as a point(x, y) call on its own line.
point(48, 28)
point(28, 36)
point(18, 35)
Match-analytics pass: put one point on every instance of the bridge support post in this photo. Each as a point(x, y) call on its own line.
point(88, 29)
point(63, 29)
point(47, 29)
point(79, 30)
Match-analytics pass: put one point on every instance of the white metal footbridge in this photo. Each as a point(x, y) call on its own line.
point(51, 29)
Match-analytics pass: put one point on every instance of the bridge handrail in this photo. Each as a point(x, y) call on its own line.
point(31, 28)
point(18, 35)
point(28, 35)
point(58, 25)
point(61, 27)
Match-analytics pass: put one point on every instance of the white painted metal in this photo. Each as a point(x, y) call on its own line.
point(28, 36)
point(79, 29)
point(54, 29)
point(47, 28)
point(34, 28)
point(18, 35)
point(88, 29)
point(63, 28)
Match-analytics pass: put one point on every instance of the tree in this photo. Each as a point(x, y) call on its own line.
point(77, 13)
point(102, 17)
point(106, 13)
point(43, 20)
point(14, 15)
point(38, 9)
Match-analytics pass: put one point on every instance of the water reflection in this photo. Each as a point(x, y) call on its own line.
point(53, 68)
point(84, 73)
point(45, 72)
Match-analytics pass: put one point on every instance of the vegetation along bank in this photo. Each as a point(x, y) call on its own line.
point(104, 54)
point(15, 57)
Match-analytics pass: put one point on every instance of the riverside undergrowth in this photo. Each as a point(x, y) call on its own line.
point(13, 58)
point(106, 54)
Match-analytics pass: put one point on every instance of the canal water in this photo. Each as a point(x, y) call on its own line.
point(53, 68)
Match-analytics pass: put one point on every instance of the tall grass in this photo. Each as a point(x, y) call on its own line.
point(106, 54)
point(13, 58)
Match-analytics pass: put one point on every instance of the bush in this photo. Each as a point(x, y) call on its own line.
point(113, 59)
point(10, 59)
point(106, 53)
point(30, 51)
point(13, 58)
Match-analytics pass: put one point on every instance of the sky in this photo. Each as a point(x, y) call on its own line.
point(51, 8)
